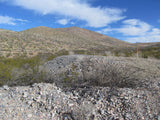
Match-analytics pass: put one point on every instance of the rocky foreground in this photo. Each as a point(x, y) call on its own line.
point(46, 101)
point(68, 98)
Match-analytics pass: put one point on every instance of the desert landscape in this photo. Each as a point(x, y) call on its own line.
point(77, 74)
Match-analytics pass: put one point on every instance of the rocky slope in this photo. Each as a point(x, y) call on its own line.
point(88, 88)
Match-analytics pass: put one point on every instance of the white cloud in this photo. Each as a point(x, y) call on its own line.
point(73, 23)
point(151, 36)
point(130, 27)
point(141, 31)
point(134, 27)
point(21, 20)
point(134, 30)
point(63, 21)
point(105, 30)
point(155, 31)
point(9, 20)
point(76, 9)
point(144, 39)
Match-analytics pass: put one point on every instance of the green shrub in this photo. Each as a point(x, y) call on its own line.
point(151, 52)
point(116, 54)
point(59, 53)
point(7, 65)
point(144, 55)
point(128, 54)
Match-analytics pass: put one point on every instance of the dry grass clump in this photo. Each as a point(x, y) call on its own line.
point(120, 72)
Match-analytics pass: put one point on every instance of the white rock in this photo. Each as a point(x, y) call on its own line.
point(29, 115)
point(5, 87)
point(25, 94)
point(71, 104)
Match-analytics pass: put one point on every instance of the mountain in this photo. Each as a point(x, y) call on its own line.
point(67, 40)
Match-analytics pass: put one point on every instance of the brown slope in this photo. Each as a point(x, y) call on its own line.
point(88, 34)
point(94, 36)
point(83, 36)
point(44, 39)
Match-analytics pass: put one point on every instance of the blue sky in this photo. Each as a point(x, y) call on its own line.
point(128, 20)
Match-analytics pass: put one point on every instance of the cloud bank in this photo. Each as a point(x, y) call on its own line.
point(93, 16)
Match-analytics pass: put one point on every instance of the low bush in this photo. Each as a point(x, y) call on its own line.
point(22, 65)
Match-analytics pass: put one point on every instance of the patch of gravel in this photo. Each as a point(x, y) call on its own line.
point(47, 101)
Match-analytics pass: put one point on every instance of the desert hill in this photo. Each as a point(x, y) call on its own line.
point(43, 39)
point(64, 41)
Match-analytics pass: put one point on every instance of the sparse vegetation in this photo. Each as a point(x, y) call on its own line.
point(70, 77)
point(60, 41)
point(153, 52)
point(23, 52)
point(31, 42)
point(27, 68)
point(102, 71)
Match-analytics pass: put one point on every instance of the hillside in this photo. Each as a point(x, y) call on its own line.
point(72, 40)
point(43, 39)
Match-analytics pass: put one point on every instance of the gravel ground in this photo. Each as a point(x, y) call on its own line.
point(47, 101)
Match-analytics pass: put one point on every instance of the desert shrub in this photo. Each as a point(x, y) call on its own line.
point(59, 53)
point(107, 74)
point(79, 51)
point(90, 52)
point(144, 55)
point(7, 66)
point(128, 54)
point(27, 68)
point(70, 79)
point(153, 52)
point(119, 73)
point(116, 54)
